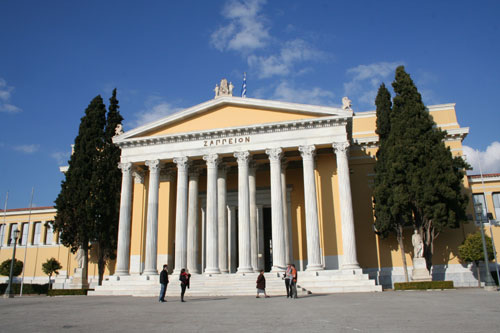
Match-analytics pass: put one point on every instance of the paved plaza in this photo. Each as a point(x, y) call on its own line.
point(463, 310)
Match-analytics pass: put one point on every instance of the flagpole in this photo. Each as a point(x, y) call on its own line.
point(4, 218)
point(26, 246)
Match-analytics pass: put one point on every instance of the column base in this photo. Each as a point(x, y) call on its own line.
point(122, 273)
point(212, 271)
point(349, 266)
point(150, 272)
point(275, 269)
point(317, 267)
point(224, 271)
point(245, 270)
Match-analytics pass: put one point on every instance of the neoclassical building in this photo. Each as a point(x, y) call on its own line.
point(235, 185)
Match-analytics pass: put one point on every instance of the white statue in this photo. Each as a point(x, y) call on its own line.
point(119, 129)
point(80, 257)
point(216, 89)
point(418, 245)
point(346, 103)
point(231, 87)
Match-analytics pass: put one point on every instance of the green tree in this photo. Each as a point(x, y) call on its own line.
point(5, 267)
point(76, 204)
point(471, 250)
point(418, 182)
point(51, 266)
point(108, 181)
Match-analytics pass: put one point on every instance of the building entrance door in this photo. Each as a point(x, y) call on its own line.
point(268, 239)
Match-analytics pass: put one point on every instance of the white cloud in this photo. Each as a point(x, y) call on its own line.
point(155, 112)
point(28, 149)
point(489, 159)
point(5, 95)
point(286, 91)
point(62, 158)
point(291, 53)
point(366, 79)
point(246, 29)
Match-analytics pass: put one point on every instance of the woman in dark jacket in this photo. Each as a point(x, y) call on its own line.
point(261, 284)
point(184, 278)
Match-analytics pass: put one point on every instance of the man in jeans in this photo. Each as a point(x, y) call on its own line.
point(163, 283)
point(288, 278)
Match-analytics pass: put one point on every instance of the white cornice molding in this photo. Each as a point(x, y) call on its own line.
point(283, 126)
point(478, 180)
point(430, 108)
point(238, 101)
point(27, 211)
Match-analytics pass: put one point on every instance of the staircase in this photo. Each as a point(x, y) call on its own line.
point(239, 284)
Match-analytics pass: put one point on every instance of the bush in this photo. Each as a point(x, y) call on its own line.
point(423, 285)
point(28, 289)
point(5, 267)
point(67, 292)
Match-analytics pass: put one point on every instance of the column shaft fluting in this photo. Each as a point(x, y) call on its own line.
point(152, 218)
point(286, 227)
point(253, 217)
point(244, 249)
point(212, 230)
point(123, 248)
point(181, 214)
point(260, 236)
point(192, 224)
point(222, 218)
point(279, 255)
point(349, 259)
point(232, 243)
point(311, 207)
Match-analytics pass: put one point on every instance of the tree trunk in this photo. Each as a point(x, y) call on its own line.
point(101, 263)
point(402, 247)
point(478, 274)
point(428, 236)
point(50, 281)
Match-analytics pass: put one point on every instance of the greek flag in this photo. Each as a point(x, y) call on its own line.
point(244, 87)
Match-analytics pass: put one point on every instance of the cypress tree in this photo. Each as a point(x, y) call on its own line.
point(75, 204)
point(420, 182)
point(108, 181)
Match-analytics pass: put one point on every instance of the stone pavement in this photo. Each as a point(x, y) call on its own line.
point(462, 310)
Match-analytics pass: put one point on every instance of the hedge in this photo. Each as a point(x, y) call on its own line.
point(423, 285)
point(66, 292)
point(27, 288)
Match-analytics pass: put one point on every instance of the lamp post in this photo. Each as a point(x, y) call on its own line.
point(489, 284)
point(9, 292)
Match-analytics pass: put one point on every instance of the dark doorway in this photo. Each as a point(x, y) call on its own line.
point(268, 240)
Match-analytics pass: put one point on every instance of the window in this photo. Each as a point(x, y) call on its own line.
point(38, 230)
point(24, 237)
point(49, 236)
point(496, 204)
point(479, 199)
point(2, 234)
point(13, 227)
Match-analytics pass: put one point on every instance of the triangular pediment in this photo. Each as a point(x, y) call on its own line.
point(229, 112)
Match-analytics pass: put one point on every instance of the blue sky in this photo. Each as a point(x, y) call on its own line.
point(163, 56)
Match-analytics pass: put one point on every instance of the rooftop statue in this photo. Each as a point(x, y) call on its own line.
point(224, 89)
point(346, 103)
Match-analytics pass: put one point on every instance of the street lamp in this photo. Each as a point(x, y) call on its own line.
point(9, 292)
point(489, 284)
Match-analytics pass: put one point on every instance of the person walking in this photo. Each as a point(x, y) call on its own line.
point(293, 282)
point(288, 278)
point(163, 283)
point(184, 277)
point(261, 284)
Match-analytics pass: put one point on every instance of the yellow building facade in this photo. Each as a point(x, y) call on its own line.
point(235, 185)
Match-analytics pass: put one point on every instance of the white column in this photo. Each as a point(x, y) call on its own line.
point(222, 218)
point(123, 249)
point(232, 244)
point(349, 259)
point(260, 236)
point(286, 232)
point(311, 206)
point(254, 245)
point(152, 218)
point(278, 226)
point(203, 239)
point(212, 232)
point(244, 250)
point(181, 214)
point(192, 224)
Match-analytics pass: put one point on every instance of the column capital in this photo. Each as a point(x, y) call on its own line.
point(242, 156)
point(153, 165)
point(212, 160)
point(223, 169)
point(284, 164)
point(274, 154)
point(138, 175)
point(125, 167)
point(341, 147)
point(182, 162)
point(194, 172)
point(307, 152)
point(166, 174)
